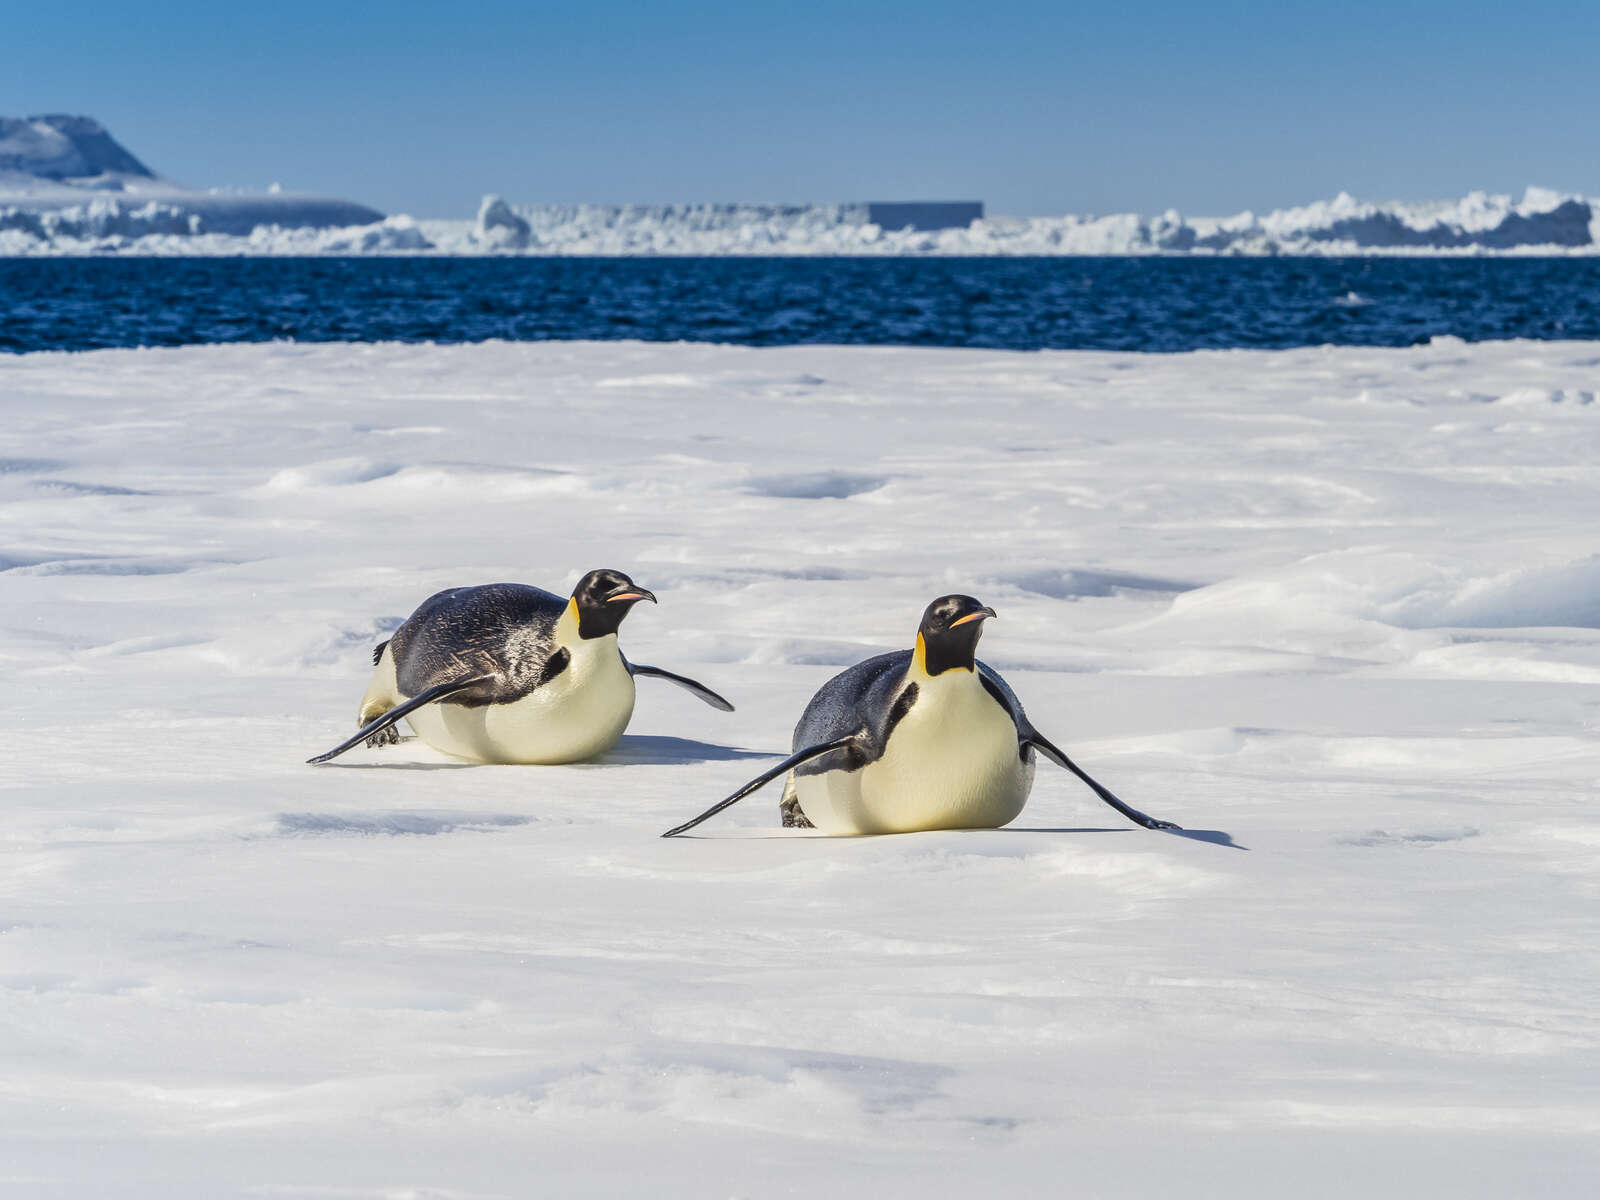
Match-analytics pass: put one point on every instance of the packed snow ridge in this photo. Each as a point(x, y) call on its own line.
point(67, 187)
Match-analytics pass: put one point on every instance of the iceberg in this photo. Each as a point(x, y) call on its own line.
point(1542, 221)
point(68, 187)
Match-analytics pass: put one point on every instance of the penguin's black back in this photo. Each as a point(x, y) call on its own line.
point(501, 629)
point(865, 702)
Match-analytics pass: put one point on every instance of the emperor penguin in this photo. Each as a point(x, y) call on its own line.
point(928, 738)
point(506, 673)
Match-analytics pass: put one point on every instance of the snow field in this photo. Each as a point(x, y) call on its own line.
point(1333, 610)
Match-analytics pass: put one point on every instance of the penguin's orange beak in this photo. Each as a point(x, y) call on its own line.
point(641, 594)
point(974, 616)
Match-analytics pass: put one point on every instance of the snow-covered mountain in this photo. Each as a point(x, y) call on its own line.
point(67, 185)
point(68, 150)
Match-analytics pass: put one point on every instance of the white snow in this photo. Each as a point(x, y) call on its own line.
point(1339, 605)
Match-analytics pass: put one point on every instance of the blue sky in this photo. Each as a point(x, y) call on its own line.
point(1034, 108)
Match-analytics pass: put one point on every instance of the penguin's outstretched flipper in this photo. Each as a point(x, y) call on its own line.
point(388, 720)
point(1039, 742)
point(687, 684)
point(766, 777)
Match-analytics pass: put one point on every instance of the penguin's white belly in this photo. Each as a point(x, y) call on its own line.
point(577, 715)
point(951, 763)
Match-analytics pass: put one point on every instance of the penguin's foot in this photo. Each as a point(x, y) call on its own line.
point(793, 818)
point(384, 737)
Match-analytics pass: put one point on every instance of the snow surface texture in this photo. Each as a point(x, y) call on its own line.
point(1338, 607)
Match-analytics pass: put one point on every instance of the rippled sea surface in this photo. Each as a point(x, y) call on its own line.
point(1064, 303)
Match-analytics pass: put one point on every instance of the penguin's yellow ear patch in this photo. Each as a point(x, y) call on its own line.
point(919, 656)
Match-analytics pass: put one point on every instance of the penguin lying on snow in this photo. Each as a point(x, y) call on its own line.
point(508, 673)
point(918, 739)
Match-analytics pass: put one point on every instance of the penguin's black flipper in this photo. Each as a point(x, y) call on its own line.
point(1037, 740)
point(388, 720)
point(687, 684)
point(766, 777)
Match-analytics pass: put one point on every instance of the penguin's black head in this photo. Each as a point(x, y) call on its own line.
point(603, 598)
point(948, 635)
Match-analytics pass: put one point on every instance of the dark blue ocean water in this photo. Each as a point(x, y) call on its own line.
point(1033, 303)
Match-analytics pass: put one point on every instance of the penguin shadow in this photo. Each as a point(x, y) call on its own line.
point(383, 763)
point(1216, 837)
point(650, 749)
point(395, 823)
point(632, 750)
point(1053, 829)
point(397, 766)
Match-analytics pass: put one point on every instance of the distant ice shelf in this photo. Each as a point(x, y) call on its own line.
point(1540, 222)
point(68, 188)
